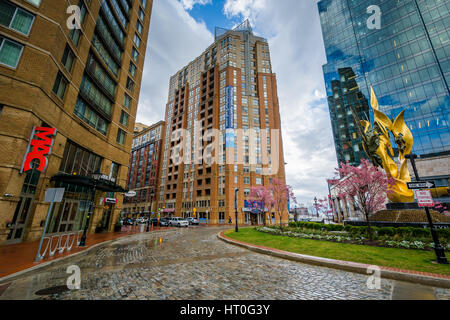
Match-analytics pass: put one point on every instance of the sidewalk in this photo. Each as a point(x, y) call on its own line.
point(21, 256)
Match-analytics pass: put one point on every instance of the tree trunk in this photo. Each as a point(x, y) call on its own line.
point(281, 224)
point(369, 230)
point(264, 219)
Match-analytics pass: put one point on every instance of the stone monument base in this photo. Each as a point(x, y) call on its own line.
point(402, 206)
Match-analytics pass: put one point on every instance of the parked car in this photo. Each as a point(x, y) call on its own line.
point(163, 222)
point(178, 222)
point(192, 220)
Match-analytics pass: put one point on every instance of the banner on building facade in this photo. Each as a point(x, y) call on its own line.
point(229, 117)
point(40, 146)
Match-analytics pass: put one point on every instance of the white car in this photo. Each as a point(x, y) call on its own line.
point(178, 222)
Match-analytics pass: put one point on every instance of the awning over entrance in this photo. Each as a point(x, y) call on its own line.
point(100, 184)
point(249, 210)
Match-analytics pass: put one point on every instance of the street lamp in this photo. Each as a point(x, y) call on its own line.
point(315, 204)
point(95, 179)
point(151, 202)
point(236, 209)
point(440, 253)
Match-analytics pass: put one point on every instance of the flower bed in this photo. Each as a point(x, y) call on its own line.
point(420, 244)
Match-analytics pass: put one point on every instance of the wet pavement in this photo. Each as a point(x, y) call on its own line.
point(193, 264)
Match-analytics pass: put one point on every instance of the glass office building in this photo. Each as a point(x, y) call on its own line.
point(406, 60)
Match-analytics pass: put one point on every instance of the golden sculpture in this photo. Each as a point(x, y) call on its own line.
point(377, 145)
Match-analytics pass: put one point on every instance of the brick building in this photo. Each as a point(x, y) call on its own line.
point(143, 174)
point(223, 122)
point(82, 79)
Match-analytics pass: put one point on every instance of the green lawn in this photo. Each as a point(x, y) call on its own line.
point(390, 257)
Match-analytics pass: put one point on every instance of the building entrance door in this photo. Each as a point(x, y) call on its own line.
point(254, 219)
point(106, 218)
point(19, 220)
point(66, 217)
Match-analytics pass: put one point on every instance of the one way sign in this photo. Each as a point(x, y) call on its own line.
point(420, 185)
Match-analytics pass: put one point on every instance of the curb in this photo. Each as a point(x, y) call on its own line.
point(434, 280)
point(48, 263)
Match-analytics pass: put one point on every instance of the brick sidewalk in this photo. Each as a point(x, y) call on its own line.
point(19, 257)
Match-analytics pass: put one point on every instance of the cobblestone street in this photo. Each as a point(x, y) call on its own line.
point(193, 264)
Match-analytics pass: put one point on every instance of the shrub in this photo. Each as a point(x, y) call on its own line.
point(404, 231)
point(387, 231)
point(444, 233)
point(421, 232)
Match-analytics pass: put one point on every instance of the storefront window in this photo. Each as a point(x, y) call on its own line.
point(79, 160)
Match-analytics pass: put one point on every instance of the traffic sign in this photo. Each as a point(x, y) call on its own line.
point(54, 195)
point(130, 194)
point(424, 198)
point(420, 185)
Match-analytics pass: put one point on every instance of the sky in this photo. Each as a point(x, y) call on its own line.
point(180, 30)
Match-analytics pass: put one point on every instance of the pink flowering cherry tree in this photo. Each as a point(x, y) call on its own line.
point(366, 186)
point(281, 193)
point(259, 197)
point(322, 205)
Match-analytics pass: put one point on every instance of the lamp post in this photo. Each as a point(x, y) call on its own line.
point(440, 253)
point(236, 209)
point(151, 201)
point(315, 205)
point(95, 179)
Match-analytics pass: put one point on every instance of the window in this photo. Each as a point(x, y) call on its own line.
point(139, 27)
point(37, 3)
point(246, 192)
point(68, 58)
point(127, 101)
point(79, 160)
point(246, 180)
point(130, 84)
point(258, 181)
point(132, 69)
point(10, 52)
point(120, 13)
point(105, 55)
point(95, 96)
point(120, 136)
point(135, 54)
point(98, 72)
point(59, 88)
point(15, 18)
point(75, 36)
point(114, 172)
point(88, 115)
point(141, 14)
point(137, 40)
point(124, 118)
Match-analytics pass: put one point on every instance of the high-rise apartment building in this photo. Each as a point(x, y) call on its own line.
point(402, 50)
point(222, 131)
point(143, 174)
point(69, 87)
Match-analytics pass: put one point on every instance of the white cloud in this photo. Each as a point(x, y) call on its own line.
point(189, 4)
point(175, 39)
point(248, 9)
point(294, 34)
